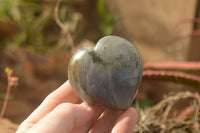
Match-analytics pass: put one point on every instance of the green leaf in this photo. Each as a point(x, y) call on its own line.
point(107, 19)
point(101, 8)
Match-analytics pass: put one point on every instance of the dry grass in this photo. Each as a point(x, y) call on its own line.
point(166, 118)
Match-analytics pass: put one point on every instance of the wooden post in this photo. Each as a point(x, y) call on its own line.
point(194, 51)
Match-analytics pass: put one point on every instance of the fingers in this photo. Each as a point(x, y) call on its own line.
point(126, 122)
point(58, 113)
point(55, 121)
point(115, 121)
point(68, 117)
point(106, 121)
point(63, 94)
point(86, 119)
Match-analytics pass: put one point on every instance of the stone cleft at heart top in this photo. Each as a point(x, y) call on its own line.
point(107, 75)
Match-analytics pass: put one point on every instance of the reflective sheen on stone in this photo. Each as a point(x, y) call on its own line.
point(108, 74)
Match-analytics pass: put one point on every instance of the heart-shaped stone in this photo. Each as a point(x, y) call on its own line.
point(108, 74)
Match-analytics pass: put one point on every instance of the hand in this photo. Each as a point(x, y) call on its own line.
point(59, 113)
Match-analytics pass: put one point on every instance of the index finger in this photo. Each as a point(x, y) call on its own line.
point(61, 95)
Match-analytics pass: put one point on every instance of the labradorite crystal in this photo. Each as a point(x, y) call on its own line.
point(108, 74)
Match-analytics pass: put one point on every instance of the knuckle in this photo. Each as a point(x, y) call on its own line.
point(64, 109)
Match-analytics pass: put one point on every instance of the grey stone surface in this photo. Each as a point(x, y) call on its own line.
point(108, 74)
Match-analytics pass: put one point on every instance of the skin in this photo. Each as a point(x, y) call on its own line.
point(60, 113)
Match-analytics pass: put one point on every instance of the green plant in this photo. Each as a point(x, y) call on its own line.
point(30, 17)
point(179, 72)
point(9, 9)
point(143, 103)
point(106, 17)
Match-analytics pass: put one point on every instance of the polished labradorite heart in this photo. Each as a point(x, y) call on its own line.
point(108, 74)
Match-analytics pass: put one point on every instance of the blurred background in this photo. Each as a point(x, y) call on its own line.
point(38, 37)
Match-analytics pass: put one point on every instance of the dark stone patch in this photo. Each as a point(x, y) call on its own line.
point(95, 57)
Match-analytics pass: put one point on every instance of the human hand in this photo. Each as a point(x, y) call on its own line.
point(59, 113)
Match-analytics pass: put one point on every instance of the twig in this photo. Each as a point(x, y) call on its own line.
point(196, 32)
point(12, 81)
point(196, 113)
point(65, 28)
point(185, 36)
point(59, 23)
point(152, 119)
point(187, 20)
